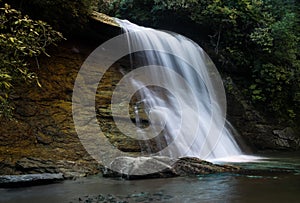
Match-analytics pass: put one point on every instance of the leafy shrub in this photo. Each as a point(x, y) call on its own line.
point(21, 38)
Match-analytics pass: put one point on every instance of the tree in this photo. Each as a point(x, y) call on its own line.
point(67, 16)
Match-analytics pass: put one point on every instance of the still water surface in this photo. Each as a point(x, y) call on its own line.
point(206, 188)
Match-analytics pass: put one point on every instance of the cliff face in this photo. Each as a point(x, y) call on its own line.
point(42, 137)
point(42, 128)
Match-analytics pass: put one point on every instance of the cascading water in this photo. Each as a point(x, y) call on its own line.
point(191, 118)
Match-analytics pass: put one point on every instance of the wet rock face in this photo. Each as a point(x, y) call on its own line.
point(35, 165)
point(256, 130)
point(41, 138)
point(286, 138)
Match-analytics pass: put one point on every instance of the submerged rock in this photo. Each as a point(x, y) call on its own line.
point(136, 197)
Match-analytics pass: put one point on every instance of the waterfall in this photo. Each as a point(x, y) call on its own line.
point(181, 94)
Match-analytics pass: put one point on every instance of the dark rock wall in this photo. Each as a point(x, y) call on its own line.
point(258, 131)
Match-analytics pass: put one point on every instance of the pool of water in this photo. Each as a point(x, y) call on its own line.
point(205, 188)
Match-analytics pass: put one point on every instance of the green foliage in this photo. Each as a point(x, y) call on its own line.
point(259, 37)
point(21, 38)
point(6, 109)
point(140, 10)
point(66, 16)
point(276, 68)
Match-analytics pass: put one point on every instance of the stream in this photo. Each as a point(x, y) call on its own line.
point(204, 188)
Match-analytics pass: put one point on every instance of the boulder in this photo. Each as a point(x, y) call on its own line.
point(162, 167)
point(286, 139)
point(29, 179)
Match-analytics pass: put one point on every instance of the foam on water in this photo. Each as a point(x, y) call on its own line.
point(237, 159)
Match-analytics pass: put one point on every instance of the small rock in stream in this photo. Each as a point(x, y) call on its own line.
point(144, 197)
point(29, 179)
